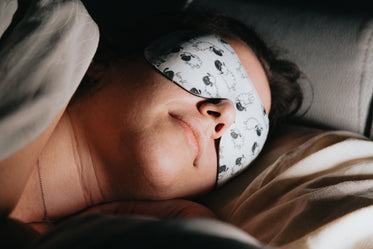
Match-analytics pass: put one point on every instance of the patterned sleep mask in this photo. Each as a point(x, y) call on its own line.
point(206, 66)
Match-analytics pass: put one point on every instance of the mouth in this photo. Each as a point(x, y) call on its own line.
point(191, 136)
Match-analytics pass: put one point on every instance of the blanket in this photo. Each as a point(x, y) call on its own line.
point(309, 189)
point(45, 49)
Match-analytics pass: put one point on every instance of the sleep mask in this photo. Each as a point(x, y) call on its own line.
point(205, 65)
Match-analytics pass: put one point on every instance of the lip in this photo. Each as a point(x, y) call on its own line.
point(191, 135)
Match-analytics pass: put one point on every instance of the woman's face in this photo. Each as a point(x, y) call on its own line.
point(158, 140)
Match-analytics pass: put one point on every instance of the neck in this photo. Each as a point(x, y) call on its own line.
point(76, 186)
point(64, 181)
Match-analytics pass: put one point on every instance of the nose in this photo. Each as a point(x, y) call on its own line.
point(221, 112)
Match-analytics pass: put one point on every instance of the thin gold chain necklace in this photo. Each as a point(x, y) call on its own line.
point(46, 217)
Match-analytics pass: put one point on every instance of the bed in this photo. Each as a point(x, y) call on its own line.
point(311, 186)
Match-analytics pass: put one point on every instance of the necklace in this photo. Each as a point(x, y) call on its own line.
point(46, 217)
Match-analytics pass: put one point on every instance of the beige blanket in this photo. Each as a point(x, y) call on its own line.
point(309, 189)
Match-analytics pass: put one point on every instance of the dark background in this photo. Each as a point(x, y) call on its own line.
point(114, 10)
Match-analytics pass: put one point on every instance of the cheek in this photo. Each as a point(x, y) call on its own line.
point(166, 167)
point(163, 160)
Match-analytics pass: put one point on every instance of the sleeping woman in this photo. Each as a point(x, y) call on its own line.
point(172, 114)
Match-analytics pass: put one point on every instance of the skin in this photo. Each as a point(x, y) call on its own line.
point(147, 139)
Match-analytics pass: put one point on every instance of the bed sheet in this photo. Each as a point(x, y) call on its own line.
point(308, 189)
point(43, 57)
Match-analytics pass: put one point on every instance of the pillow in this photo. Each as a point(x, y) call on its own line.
point(43, 57)
point(335, 51)
point(307, 186)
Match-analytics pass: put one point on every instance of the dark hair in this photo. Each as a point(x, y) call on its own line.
point(127, 41)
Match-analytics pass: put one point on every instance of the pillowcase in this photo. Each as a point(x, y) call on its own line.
point(305, 186)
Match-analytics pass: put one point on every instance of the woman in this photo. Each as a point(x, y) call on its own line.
point(132, 134)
